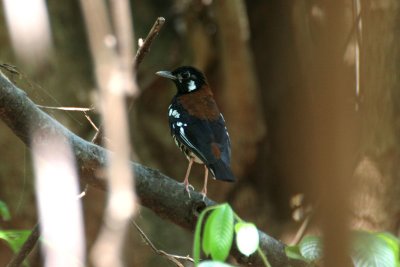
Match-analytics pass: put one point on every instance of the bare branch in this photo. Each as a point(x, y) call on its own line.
point(144, 47)
point(173, 258)
point(91, 122)
point(67, 108)
point(301, 231)
point(165, 196)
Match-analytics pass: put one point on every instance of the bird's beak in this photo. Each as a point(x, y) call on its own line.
point(166, 74)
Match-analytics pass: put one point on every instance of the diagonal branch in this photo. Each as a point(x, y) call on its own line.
point(144, 47)
point(166, 197)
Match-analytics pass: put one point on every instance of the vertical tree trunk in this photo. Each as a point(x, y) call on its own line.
point(329, 118)
point(376, 203)
point(375, 184)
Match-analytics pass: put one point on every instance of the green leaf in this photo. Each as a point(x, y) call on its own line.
point(311, 248)
point(14, 238)
point(293, 252)
point(197, 233)
point(374, 250)
point(4, 212)
point(207, 235)
point(247, 238)
point(221, 232)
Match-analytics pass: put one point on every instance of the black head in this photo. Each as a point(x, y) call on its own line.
point(187, 79)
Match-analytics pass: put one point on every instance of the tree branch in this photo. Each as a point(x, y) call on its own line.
point(166, 197)
point(144, 47)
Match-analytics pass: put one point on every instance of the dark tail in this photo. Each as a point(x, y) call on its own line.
point(221, 171)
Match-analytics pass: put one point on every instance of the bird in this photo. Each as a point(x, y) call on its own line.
point(198, 127)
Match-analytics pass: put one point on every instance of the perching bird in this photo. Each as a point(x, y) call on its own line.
point(197, 126)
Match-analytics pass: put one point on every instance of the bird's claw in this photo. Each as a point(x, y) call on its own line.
point(188, 187)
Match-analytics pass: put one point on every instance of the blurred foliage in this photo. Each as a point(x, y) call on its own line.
point(13, 238)
point(367, 249)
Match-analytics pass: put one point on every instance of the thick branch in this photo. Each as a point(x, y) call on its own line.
point(166, 197)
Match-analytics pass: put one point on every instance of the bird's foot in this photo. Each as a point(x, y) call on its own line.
point(188, 187)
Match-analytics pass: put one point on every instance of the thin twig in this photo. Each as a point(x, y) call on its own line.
point(300, 233)
point(98, 136)
point(66, 108)
point(26, 248)
point(84, 192)
point(170, 257)
point(144, 47)
point(10, 68)
point(91, 122)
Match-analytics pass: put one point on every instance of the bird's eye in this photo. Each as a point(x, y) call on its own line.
point(186, 75)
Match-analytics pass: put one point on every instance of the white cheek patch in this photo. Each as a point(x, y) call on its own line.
point(191, 86)
point(174, 113)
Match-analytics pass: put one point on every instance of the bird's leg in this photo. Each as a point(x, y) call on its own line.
point(204, 190)
point(186, 180)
